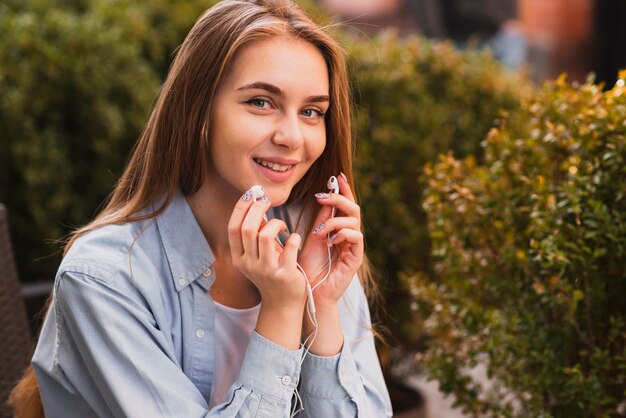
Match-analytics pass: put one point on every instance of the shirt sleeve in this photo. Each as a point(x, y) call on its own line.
point(351, 383)
point(110, 354)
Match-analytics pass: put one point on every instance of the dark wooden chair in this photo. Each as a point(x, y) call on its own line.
point(16, 342)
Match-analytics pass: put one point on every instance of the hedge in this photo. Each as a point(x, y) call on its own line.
point(530, 254)
point(416, 99)
point(74, 97)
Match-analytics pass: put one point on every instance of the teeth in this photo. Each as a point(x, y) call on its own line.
point(273, 166)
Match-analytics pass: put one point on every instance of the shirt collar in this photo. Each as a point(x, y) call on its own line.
point(188, 253)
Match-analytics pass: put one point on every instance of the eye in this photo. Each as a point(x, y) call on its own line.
point(311, 113)
point(259, 102)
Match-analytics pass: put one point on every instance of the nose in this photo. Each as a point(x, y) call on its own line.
point(288, 132)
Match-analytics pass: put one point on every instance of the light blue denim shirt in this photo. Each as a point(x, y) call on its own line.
point(130, 334)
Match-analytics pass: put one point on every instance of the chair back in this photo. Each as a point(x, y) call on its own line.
point(15, 336)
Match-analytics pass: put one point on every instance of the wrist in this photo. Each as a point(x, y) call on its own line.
point(326, 306)
point(287, 313)
point(281, 324)
point(329, 339)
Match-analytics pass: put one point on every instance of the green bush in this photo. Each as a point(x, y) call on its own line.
point(74, 98)
point(530, 252)
point(415, 100)
point(157, 27)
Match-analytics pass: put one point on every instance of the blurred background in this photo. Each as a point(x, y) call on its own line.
point(547, 36)
point(490, 163)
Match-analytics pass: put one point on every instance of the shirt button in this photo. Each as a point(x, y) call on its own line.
point(182, 282)
point(200, 333)
point(207, 272)
point(285, 380)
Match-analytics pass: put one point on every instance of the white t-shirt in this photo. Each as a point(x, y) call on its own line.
point(233, 328)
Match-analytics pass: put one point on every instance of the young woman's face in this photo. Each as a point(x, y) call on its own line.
point(268, 125)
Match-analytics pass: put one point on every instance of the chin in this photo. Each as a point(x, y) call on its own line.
point(278, 201)
point(279, 196)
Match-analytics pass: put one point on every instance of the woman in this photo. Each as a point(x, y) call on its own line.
point(177, 301)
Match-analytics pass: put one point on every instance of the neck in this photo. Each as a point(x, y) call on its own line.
point(212, 207)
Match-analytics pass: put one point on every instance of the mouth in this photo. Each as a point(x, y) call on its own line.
point(273, 165)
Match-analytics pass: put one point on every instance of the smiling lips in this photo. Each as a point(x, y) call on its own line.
point(273, 166)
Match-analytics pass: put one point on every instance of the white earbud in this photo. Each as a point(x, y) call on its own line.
point(257, 192)
point(333, 184)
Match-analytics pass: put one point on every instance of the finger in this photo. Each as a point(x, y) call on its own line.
point(342, 203)
point(289, 257)
point(344, 188)
point(323, 215)
point(337, 224)
point(235, 222)
point(268, 253)
point(352, 237)
point(251, 225)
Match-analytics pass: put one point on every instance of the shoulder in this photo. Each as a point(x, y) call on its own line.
point(113, 252)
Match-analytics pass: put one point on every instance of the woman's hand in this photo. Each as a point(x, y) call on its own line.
point(272, 269)
point(256, 254)
point(347, 240)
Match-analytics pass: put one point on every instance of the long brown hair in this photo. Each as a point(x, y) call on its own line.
point(173, 149)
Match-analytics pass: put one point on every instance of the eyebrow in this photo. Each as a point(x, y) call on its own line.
point(278, 92)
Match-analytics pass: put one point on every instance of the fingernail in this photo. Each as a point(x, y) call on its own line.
point(318, 228)
point(264, 199)
point(343, 176)
point(246, 196)
point(322, 195)
point(333, 237)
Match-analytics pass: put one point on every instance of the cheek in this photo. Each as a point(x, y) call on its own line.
point(317, 144)
point(240, 135)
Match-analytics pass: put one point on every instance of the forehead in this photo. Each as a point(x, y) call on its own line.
point(289, 63)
